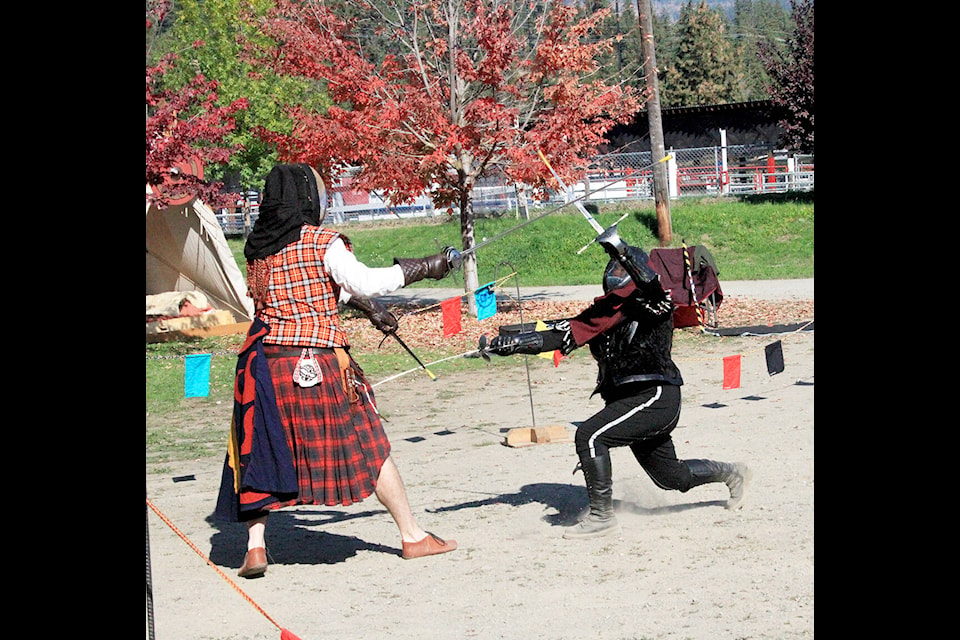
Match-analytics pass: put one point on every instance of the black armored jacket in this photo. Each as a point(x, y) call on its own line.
point(631, 340)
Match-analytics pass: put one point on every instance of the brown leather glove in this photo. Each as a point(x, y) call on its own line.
point(434, 267)
point(378, 314)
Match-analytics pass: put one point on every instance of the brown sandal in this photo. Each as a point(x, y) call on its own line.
point(431, 545)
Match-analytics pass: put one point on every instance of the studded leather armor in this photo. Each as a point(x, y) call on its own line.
point(637, 350)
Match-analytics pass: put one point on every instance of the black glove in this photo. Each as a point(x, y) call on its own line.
point(378, 314)
point(557, 337)
point(434, 267)
point(518, 343)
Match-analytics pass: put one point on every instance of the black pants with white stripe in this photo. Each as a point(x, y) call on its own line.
point(643, 421)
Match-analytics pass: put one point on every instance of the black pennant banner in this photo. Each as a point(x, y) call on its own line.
point(774, 353)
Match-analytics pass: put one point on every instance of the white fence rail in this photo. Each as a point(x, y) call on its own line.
point(706, 171)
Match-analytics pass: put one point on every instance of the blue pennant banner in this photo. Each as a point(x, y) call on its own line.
point(197, 375)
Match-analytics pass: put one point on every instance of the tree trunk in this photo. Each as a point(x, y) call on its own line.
point(471, 280)
point(661, 191)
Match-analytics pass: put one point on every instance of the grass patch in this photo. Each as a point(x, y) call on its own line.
point(751, 238)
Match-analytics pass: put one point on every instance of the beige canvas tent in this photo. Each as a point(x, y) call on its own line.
point(188, 254)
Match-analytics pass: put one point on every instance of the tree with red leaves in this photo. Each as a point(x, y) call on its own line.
point(469, 86)
point(792, 74)
point(185, 128)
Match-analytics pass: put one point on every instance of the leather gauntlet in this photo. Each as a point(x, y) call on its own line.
point(378, 314)
point(434, 267)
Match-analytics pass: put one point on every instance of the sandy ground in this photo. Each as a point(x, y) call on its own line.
point(682, 567)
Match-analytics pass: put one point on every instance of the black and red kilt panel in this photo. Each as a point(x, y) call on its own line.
point(338, 447)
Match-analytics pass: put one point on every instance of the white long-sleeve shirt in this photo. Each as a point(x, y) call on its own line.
point(356, 278)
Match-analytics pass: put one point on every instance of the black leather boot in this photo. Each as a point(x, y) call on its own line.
point(601, 520)
point(735, 475)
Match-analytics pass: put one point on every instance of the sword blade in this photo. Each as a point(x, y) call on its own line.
point(586, 214)
point(576, 202)
point(413, 355)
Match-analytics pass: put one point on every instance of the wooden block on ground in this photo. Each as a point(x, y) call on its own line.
point(553, 433)
point(526, 436)
point(519, 437)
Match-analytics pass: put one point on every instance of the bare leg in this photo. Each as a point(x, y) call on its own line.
point(255, 533)
point(255, 559)
point(393, 495)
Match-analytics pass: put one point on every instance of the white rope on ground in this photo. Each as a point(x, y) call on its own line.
point(430, 364)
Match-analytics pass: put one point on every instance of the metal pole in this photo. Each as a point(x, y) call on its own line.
point(150, 624)
point(526, 362)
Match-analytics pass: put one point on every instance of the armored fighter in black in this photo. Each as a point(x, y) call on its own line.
point(630, 334)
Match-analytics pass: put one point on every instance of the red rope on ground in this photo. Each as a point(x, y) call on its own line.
point(284, 634)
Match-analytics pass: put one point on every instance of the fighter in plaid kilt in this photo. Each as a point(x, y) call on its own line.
point(298, 272)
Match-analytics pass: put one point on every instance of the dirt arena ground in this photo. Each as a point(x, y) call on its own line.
point(683, 567)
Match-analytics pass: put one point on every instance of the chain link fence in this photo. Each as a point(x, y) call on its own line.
point(616, 177)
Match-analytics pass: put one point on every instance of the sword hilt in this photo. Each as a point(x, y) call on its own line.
point(454, 258)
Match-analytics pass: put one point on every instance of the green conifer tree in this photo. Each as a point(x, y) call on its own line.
point(755, 21)
point(707, 67)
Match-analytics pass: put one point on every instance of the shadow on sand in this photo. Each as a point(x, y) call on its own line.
point(294, 537)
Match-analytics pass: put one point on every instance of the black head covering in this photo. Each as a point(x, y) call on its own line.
point(615, 276)
point(292, 198)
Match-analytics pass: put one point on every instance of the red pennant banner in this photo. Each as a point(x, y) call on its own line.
point(731, 372)
point(451, 317)
point(557, 357)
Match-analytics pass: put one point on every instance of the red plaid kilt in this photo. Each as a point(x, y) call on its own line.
point(338, 447)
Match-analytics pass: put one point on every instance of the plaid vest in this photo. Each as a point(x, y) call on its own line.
point(301, 302)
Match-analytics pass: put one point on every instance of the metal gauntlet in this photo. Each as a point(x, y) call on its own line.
point(633, 259)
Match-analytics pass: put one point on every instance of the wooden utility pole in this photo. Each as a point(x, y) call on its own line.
point(661, 191)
